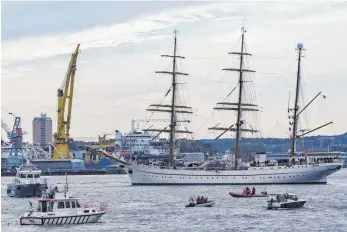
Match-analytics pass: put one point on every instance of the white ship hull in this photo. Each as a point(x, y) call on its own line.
point(297, 174)
point(58, 220)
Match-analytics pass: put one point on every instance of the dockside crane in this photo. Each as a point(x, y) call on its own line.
point(15, 135)
point(65, 97)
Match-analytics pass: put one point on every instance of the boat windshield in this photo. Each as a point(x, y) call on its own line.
point(45, 206)
point(277, 198)
point(292, 197)
point(281, 198)
point(22, 175)
point(66, 204)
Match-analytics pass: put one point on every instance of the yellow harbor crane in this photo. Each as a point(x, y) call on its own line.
point(92, 154)
point(61, 138)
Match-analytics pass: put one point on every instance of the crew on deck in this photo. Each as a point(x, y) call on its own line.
point(201, 200)
point(253, 191)
point(247, 191)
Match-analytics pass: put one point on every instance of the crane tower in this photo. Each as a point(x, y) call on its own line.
point(65, 96)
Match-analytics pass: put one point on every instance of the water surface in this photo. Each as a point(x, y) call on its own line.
point(161, 208)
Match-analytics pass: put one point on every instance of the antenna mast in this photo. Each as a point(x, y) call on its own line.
point(173, 108)
point(66, 187)
point(296, 106)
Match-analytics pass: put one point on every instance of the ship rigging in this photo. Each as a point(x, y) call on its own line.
point(240, 105)
point(142, 173)
point(295, 109)
point(173, 109)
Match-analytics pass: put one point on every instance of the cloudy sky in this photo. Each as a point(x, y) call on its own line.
point(121, 44)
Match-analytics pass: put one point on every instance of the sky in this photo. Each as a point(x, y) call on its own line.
point(121, 44)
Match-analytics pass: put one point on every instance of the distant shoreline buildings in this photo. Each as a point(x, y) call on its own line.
point(42, 130)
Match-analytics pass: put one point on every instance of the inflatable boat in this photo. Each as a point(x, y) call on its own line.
point(238, 195)
point(209, 203)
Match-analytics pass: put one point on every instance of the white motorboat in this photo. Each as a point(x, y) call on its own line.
point(284, 201)
point(53, 209)
point(28, 182)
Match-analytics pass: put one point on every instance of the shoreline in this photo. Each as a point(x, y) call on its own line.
point(77, 173)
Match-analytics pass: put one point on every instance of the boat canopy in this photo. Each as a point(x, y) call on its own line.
point(283, 197)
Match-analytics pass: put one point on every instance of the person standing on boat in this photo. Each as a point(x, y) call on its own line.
point(253, 191)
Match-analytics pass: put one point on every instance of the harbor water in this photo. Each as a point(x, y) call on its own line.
point(162, 208)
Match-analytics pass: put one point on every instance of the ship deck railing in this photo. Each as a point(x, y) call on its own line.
point(302, 162)
point(94, 204)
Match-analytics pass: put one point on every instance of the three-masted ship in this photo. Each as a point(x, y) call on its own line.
point(290, 173)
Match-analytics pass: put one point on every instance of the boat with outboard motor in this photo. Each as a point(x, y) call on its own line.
point(238, 195)
point(28, 182)
point(248, 193)
point(200, 202)
point(209, 203)
point(53, 209)
point(284, 201)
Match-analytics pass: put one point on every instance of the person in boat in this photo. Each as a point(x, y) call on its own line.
point(253, 191)
point(203, 200)
point(191, 200)
point(198, 200)
point(51, 194)
point(248, 191)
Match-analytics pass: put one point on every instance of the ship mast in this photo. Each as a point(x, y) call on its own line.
point(173, 109)
point(296, 106)
point(238, 123)
point(240, 105)
point(294, 135)
point(173, 100)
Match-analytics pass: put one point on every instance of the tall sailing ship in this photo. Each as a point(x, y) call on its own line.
point(293, 172)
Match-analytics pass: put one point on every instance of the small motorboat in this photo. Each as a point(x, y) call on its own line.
point(284, 201)
point(244, 194)
point(209, 203)
point(57, 210)
point(206, 203)
point(238, 195)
